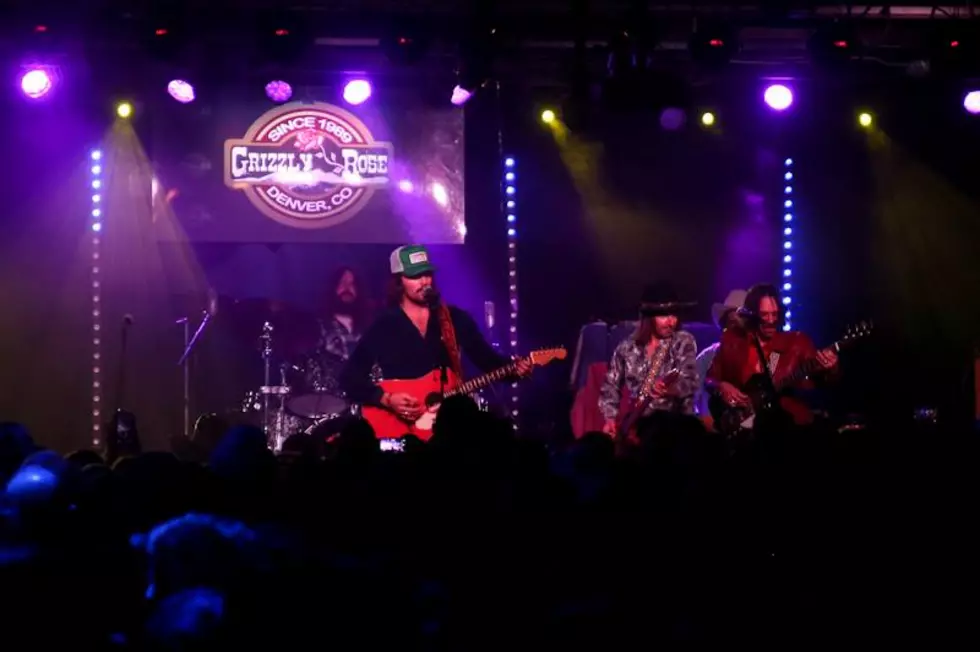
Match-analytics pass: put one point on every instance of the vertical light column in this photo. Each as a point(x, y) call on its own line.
point(96, 206)
point(510, 210)
point(788, 226)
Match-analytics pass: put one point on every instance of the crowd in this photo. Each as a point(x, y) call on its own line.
point(479, 539)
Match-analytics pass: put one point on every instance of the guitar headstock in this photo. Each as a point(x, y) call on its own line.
point(856, 332)
point(544, 356)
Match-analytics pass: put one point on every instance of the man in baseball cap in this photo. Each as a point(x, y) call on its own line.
point(411, 261)
point(416, 335)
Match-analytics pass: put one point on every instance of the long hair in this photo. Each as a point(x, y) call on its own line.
point(394, 292)
point(753, 300)
point(359, 310)
point(647, 328)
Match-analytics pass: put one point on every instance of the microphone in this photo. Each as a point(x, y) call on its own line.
point(430, 295)
point(127, 320)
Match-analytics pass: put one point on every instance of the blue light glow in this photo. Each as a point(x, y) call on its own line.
point(510, 191)
point(787, 244)
point(96, 225)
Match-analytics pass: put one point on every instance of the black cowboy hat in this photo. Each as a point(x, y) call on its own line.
point(660, 298)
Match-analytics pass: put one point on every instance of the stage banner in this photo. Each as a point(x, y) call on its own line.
point(309, 172)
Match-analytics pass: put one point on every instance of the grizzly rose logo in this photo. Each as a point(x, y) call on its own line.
point(308, 165)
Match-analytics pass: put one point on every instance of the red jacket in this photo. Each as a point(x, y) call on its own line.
point(732, 364)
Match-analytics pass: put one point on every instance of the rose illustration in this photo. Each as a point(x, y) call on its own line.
point(308, 140)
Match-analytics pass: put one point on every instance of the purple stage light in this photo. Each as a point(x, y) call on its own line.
point(460, 96)
point(278, 91)
point(406, 186)
point(357, 91)
point(778, 97)
point(181, 91)
point(972, 102)
point(36, 83)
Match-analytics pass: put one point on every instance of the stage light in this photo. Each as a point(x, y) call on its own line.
point(548, 116)
point(278, 91)
point(357, 91)
point(788, 178)
point(971, 102)
point(708, 118)
point(406, 186)
point(36, 83)
point(510, 203)
point(460, 96)
point(865, 119)
point(96, 172)
point(181, 91)
point(439, 194)
point(124, 109)
point(778, 97)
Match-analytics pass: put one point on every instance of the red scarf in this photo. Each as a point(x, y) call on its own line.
point(448, 333)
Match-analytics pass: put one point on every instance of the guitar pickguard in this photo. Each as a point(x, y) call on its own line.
point(428, 418)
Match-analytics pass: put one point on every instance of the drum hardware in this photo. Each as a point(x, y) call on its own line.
point(273, 420)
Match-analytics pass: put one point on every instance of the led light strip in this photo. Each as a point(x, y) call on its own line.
point(510, 209)
point(788, 225)
point(96, 184)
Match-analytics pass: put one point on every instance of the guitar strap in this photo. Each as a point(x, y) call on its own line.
point(448, 335)
point(764, 363)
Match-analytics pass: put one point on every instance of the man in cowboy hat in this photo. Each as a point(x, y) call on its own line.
point(725, 314)
point(656, 342)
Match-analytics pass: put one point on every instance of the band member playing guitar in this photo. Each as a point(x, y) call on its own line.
point(738, 368)
point(655, 369)
point(417, 336)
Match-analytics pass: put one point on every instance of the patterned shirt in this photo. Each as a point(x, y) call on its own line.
point(336, 340)
point(322, 372)
point(630, 364)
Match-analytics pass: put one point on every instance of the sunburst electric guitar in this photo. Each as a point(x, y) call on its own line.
point(430, 392)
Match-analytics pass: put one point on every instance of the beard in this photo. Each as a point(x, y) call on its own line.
point(766, 331)
point(347, 298)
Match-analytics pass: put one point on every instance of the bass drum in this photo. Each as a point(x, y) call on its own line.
point(316, 391)
point(329, 426)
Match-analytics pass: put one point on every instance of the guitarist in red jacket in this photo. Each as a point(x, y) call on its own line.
point(738, 360)
point(415, 336)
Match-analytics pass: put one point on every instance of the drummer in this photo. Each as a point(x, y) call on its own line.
point(345, 317)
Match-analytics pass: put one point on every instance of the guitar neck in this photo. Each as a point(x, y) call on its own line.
point(478, 383)
point(806, 368)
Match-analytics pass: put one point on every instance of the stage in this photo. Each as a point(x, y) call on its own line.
point(147, 215)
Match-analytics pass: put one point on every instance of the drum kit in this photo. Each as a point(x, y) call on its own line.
point(300, 392)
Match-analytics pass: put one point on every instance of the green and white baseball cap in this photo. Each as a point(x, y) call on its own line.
point(411, 260)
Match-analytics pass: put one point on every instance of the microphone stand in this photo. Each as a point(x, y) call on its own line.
point(189, 343)
point(266, 339)
point(121, 377)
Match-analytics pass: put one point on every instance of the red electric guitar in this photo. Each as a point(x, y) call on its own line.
point(426, 391)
